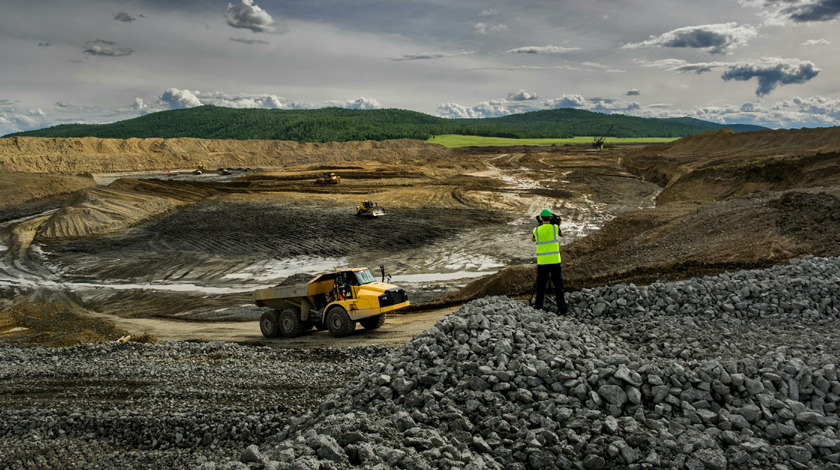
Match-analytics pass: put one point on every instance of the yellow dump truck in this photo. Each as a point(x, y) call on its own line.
point(331, 301)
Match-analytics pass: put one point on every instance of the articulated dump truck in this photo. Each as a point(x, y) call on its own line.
point(332, 301)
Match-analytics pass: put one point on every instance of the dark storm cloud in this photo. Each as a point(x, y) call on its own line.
point(247, 15)
point(772, 72)
point(633, 92)
point(99, 47)
point(249, 41)
point(713, 38)
point(124, 17)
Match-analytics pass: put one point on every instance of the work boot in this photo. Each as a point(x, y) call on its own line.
point(564, 310)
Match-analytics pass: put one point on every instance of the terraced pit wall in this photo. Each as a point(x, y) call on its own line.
point(94, 155)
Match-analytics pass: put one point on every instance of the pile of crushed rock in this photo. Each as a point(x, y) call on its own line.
point(498, 384)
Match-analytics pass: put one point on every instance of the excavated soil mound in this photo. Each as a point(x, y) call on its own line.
point(99, 211)
point(47, 324)
point(22, 194)
point(716, 165)
point(94, 155)
point(812, 218)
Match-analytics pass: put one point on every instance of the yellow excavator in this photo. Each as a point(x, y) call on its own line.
point(200, 168)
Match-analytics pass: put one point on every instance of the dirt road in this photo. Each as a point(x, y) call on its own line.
point(397, 330)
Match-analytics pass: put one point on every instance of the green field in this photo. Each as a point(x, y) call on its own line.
point(455, 141)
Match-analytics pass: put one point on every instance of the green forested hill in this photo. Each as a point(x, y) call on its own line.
point(337, 124)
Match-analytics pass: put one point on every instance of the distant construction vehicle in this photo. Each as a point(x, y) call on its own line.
point(599, 142)
point(330, 301)
point(369, 209)
point(328, 178)
point(199, 169)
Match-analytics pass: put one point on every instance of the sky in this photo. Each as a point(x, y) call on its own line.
point(767, 62)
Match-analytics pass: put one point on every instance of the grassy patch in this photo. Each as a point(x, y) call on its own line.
point(454, 141)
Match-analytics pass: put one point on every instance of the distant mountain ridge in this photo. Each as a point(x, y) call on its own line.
point(340, 125)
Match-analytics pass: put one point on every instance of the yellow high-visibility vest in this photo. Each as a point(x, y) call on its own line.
point(548, 244)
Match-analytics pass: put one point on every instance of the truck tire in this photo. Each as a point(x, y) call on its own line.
point(290, 324)
point(372, 323)
point(339, 322)
point(270, 324)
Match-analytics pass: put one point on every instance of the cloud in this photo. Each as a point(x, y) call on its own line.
point(772, 72)
point(98, 47)
point(549, 49)
point(682, 66)
point(632, 92)
point(566, 101)
point(246, 15)
point(124, 17)
point(485, 109)
point(490, 12)
point(607, 105)
point(63, 104)
point(816, 42)
point(522, 95)
point(713, 38)
point(483, 28)
point(358, 103)
point(43, 44)
point(432, 55)
point(797, 11)
point(249, 41)
point(175, 98)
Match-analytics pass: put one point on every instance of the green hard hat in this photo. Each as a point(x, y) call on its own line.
point(546, 213)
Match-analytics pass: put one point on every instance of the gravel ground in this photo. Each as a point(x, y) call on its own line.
point(731, 371)
point(500, 385)
point(172, 405)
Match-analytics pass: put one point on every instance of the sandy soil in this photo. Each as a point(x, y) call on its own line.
point(397, 330)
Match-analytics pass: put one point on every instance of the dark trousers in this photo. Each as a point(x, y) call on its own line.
point(556, 274)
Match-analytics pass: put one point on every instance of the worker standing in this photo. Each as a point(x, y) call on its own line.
point(547, 238)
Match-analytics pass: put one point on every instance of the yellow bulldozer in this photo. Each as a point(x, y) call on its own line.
point(330, 301)
point(328, 178)
point(369, 209)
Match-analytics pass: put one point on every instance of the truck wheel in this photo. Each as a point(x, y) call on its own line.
point(290, 325)
point(339, 323)
point(270, 324)
point(372, 323)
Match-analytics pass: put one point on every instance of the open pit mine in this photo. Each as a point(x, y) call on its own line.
point(702, 279)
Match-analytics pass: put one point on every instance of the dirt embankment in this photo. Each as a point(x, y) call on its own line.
point(94, 155)
point(718, 164)
point(731, 201)
point(24, 193)
point(126, 202)
point(47, 324)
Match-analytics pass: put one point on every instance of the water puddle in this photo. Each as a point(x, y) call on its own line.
point(278, 269)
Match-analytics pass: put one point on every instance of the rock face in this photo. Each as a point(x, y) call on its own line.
point(500, 385)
